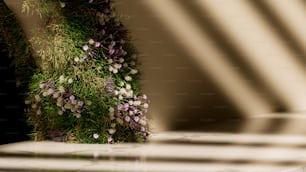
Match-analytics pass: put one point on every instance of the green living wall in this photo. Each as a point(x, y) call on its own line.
point(84, 86)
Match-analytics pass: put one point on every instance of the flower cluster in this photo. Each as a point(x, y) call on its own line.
point(100, 82)
point(63, 98)
point(130, 110)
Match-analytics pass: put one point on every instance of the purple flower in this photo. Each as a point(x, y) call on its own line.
point(127, 118)
point(120, 107)
point(85, 47)
point(73, 102)
point(145, 97)
point(113, 43)
point(97, 44)
point(72, 97)
point(111, 51)
point(136, 118)
point(126, 106)
point(110, 139)
point(142, 129)
point(80, 103)
point(85, 57)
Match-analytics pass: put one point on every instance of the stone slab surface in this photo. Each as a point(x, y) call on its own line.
point(166, 152)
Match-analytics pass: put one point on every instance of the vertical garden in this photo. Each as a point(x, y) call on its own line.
point(83, 85)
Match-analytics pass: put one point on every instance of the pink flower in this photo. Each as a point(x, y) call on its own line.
point(136, 118)
point(85, 47)
point(97, 44)
point(96, 136)
point(127, 118)
point(110, 139)
point(111, 51)
point(80, 103)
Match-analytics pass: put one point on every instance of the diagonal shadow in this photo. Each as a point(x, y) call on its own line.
point(274, 21)
point(199, 104)
point(224, 44)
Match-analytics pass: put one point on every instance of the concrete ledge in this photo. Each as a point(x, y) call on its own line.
point(238, 153)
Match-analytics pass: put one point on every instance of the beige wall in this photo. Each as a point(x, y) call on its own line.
point(219, 59)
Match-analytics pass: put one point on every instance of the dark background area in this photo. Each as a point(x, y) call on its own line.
point(13, 126)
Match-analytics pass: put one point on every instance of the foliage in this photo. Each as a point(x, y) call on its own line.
point(86, 87)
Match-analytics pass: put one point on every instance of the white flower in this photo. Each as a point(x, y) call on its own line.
point(121, 84)
point(61, 89)
point(117, 66)
point(59, 104)
point(60, 99)
point(27, 102)
point(143, 122)
point(67, 106)
point(112, 117)
point(110, 68)
point(62, 4)
point(116, 92)
point(111, 109)
point(120, 97)
point(115, 71)
point(125, 65)
point(113, 125)
point(131, 113)
point(45, 94)
point(146, 105)
point(60, 112)
point(122, 91)
point(121, 60)
point(131, 102)
point(56, 95)
point(120, 121)
point(91, 41)
point(38, 112)
point(134, 71)
point(112, 131)
point(50, 91)
point(128, 78)
point(41, 86)
point(129, 93)
point(70, 81)
point(110, 61)
point(37, 98)
point(128, 86)
point(137, 103)
point(77, 115)
point(96, 136)
point(76, 59)
point(61, 79)
point(34, 106)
